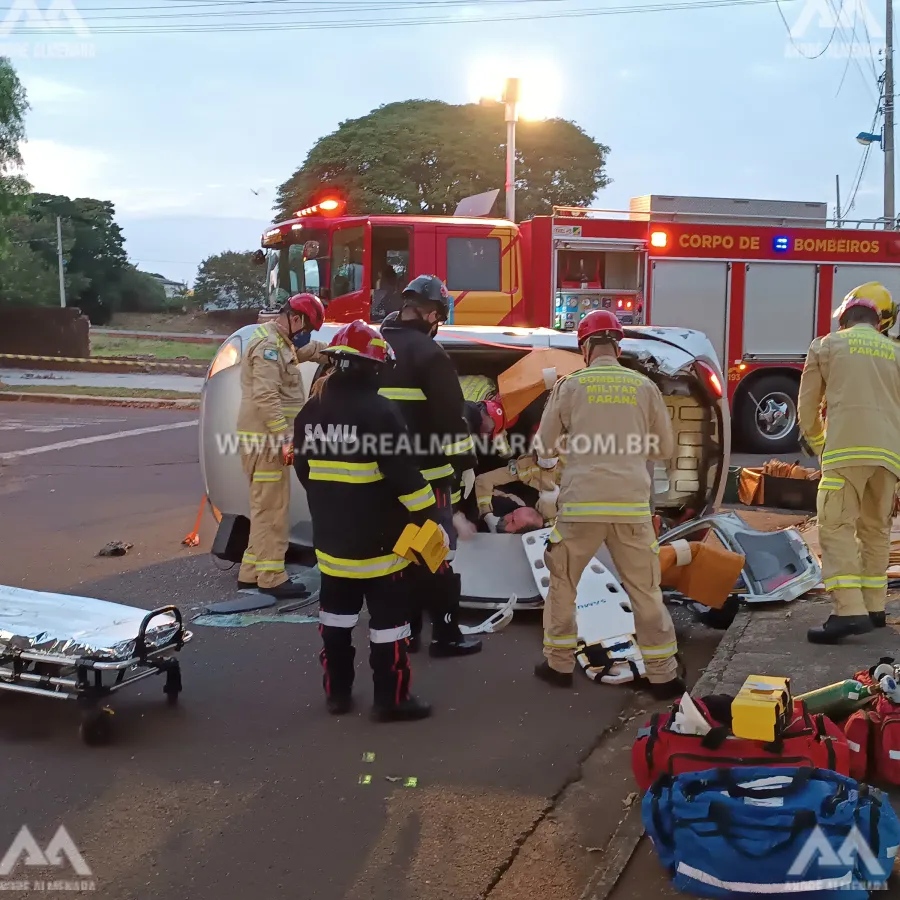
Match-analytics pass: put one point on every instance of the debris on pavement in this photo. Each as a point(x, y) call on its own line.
point(115, 548)
point(245, 620)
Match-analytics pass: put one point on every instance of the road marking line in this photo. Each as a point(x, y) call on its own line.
point(80, 442)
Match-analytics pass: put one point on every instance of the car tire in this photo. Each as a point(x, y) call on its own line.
point(767, 416)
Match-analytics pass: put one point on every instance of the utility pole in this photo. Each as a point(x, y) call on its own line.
point(511, 99)
point(59, 257)
point(837, 208)
point(887, 141)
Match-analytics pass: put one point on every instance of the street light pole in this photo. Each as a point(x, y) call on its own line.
point(511, 99)
point(59, 259)
point(887, 142)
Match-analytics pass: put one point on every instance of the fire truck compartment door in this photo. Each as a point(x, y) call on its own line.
point(691, 294)
point(848, 277)
point(779, 308)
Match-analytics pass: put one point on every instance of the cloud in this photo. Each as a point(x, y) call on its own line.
point(45, 91)
point(55, 168)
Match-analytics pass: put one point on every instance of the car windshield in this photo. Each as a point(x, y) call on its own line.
point(288, 273)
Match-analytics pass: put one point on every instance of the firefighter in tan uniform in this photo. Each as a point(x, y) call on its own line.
point(606, 422)
point(271, 396)
point(856, 372)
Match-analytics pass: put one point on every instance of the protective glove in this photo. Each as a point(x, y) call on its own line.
point(492, 522)
point(468, 482)
point(464, 528)
point(445, 537)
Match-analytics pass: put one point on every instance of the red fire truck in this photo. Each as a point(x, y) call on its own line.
point(759, 286)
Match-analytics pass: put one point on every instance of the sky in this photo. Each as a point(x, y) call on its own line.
point(189, 133)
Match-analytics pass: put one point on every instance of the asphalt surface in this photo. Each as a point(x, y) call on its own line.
point(249, 788)
point(49, 380)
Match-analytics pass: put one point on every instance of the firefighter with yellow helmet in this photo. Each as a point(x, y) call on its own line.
point(855, 372)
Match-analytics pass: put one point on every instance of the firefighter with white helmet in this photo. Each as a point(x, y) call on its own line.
point(855, 372)
point(363, 489)
point(271, 395)
point(604, 498)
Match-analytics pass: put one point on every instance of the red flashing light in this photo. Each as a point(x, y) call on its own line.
point(628, 305)
point(330, 206)
point(619, 304)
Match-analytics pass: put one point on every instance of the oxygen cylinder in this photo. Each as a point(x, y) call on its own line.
point(839, 700)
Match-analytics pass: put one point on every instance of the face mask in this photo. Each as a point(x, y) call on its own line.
point(300, 339)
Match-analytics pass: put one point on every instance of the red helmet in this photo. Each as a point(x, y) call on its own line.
point(494, 408)
point(359, 341)
point(308, 305)
point(600, 322)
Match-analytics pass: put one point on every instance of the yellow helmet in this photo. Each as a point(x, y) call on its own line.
point(875, 296)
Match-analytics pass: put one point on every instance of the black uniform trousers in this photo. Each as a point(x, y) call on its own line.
point(340, 603)
point(438, 592)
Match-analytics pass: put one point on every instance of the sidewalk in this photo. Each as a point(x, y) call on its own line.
point(765, 642)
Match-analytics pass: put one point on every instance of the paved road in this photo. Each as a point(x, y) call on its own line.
point(49, 380)
point(249, 788)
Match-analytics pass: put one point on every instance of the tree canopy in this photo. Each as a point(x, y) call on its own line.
point(13, 107)
point(424, 156)
point(230, 280)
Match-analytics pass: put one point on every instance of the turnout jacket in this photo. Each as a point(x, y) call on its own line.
point(361, 493)
point(606, 422)
point(856, 372)
point(425, 386)
point(271, 387)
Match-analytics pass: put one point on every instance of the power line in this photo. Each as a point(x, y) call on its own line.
point(304, 25)
point(861, 168)
point(851, 55)
point(791, 35)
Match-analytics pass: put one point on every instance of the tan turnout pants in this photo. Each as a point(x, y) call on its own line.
point(854, 508)
point(635, 554)
point(270, 494)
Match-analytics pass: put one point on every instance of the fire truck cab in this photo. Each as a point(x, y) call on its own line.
point(760, 278)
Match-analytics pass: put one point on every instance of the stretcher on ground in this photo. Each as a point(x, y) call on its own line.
point(83, 649)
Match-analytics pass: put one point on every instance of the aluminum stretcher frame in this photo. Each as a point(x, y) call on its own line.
point(85, 675)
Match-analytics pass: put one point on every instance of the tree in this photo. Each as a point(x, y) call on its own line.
point(424, 156)
point(140, 291)
point(230, 280)
point(13, 107)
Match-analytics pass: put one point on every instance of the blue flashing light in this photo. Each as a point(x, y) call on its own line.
point(781, 244)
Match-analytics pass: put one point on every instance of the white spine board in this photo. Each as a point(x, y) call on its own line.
point(602, 610)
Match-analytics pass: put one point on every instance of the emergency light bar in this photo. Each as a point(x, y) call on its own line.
point(325, 207)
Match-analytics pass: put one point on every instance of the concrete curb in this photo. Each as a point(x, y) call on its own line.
point(87, 400)
point(630, 831)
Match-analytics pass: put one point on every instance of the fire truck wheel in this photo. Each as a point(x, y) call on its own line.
point(767, 415)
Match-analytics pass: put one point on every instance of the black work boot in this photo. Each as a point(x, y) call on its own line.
point(664, 690)
point(836, 628)
point(339, 704)
point(287, 590)
point(547, 673)
point(446, 638)
point(878, 619)
point(246, 585)
point(406, 710)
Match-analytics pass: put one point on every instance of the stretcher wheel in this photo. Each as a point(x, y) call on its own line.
point(96, 727)
point(173, 684)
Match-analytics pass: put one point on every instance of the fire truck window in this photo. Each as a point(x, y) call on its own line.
point(347, 261)
point(473, 264)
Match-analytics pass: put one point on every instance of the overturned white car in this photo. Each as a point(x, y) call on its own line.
point(687, 488)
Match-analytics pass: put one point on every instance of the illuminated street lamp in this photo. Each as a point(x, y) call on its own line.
point(511, 101)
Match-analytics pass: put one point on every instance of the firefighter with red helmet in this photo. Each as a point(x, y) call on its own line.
point(425, 386)
point(855, 372)
point(271, 395)
point(353, 456)
point(605, 422)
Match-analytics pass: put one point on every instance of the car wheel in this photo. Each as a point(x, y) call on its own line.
point(767, 416)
